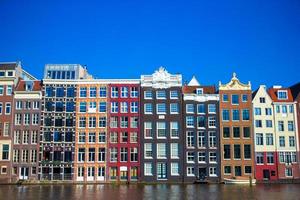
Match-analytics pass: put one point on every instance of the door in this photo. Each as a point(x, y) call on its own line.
point(201, 173)
point(266, 174)
point(161, 171)
point(24, 173)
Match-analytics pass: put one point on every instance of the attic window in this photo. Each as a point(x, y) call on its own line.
point(199, 91)
point(282, 94)
point(28, 86)
point(10, 73)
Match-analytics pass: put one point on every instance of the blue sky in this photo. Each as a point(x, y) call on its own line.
point(259, 40)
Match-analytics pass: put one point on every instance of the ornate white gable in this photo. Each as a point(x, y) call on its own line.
point(234, 84)
point(161, 78)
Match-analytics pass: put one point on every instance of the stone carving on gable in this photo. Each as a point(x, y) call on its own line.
point(234, 84)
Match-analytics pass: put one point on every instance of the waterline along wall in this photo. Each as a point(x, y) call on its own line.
point(71, 127)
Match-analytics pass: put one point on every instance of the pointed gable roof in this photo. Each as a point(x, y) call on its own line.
point(194, 82)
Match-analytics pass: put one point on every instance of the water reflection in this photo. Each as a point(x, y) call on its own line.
point(147, 192)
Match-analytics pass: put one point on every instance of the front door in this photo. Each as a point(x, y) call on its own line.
point(202, 173)
point(24, 171)
point(266, 174)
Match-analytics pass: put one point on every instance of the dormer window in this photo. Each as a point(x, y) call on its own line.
point(199, 91)
point(282, 94)
point(28, 86)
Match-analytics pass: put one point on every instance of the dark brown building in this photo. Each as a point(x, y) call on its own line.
point(26, 130)
point(161, 127)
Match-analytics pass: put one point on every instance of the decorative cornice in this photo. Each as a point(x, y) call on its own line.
point(201, 98)
point(234, 84)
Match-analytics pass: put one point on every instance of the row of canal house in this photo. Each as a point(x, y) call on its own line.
point(72, 127)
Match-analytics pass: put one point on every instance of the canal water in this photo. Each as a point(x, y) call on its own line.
point(140, 192)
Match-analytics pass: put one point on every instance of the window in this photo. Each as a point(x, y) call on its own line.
point(8, 90)
point(102, 92)
point(124, 137)
point(212, 139)
point(34, 137)
point(235, 99)
point(18, 119)
point(284, 109)
point(238, 171)
point(200, 108)
point(259, 139)
point(244, 97)
point(114, 122)
point(92, 137)
point(93, 92)
point(236, 132)
point(226, 132)
point(148, 94)
point(212, 122)
point(148, 150)
point(83, 92)
point(201, 122)
point(292, 141)
point(189, 108)
point(161, 129)
point(70, 106)
point(201, 139)
point(225, 98)
point(190, 171)
point(190, 157)
point(161, 94)
point(277, 109)
point(114, 92)
point(133, 122)
point(291, 108)
point(81, 138)
point(212, 108)
point(246, 131)
point(227, 169)
point(102, 137)
point(148, 169)
point(174, 169)
point(248, 169)
point(70, 92)
point(161, 150)
point(1, 108)
point(189, 121)
point(1, 89)
point(133, 137)
point(92, 122)
point(124, 154)
point(114, 107)
point(258, 123)
point(174, 150)
point(134, 107)
point(92, 107)
point(35, 119)
point(82, 107)
point(174, 108)
point(268, 111)
point(101, 154)
point(174, 133)
point(124, 92)
point(190, 139)
point(124, 122)
point(7, 108)
point(19, 105)
point(262, 100)
point(270, 158)
point(201, 157)
point(247, 151)
point(124, 107)
point(134, 92)
point(290, 126)
point(257, 111)
point(259, 158)
point(246, 115)
point(91, 155)
point(133, 154)
point(148, 108)
point(102, 107)
point(173, 94)
point(227, 153)
point(269, 139)
point(213, 171)
point(282, 94)
point(212, 157)
point(161, 108)
point(225, 115)
point(113, 154)
point(281, 141)
point(280, 126)
point(148, 130)
point(26, 119)
point(237, 151)
point(235, 115)
point(288, 172)
point(113, 137)
point(6, 127)
point(269, 124)
point(5, 152)
point(199, 91)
